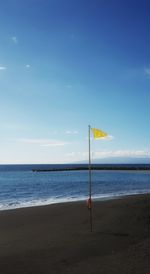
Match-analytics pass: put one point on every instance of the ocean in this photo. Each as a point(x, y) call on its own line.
point(21, 187)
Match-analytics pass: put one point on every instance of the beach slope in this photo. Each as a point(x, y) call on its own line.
point(57, 238)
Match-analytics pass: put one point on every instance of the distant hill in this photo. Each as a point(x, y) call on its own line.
point(119, 160)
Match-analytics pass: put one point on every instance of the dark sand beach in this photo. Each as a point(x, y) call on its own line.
point(57, 238)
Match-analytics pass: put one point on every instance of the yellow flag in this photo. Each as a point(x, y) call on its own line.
point(97, 133)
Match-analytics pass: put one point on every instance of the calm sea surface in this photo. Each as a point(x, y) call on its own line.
point(21, 187)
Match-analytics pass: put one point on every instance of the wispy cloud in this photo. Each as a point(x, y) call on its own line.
point(111, 154)
point(54, 143)
point(121, 153)
point(27, 66)
point(147, 71)
point(3, 67)
point(42, 142)
point(14, 39)
point(71, 132)
point(106, 138)
point(139, 72)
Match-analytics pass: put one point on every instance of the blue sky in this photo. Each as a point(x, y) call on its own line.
point(67, 64)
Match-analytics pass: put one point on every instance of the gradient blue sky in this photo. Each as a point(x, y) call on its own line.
point(65, 64)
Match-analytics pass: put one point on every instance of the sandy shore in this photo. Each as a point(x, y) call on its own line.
point(57, 238)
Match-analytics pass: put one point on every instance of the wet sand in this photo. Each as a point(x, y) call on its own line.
point(57, 238)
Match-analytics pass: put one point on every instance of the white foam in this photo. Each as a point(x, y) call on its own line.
point(42, 202)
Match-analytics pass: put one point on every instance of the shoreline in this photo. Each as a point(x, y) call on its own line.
point(57, 239)
point(67, 201)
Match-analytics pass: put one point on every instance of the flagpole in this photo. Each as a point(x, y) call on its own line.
point(90, 181)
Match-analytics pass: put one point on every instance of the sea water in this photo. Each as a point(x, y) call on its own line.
point(21, 187)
